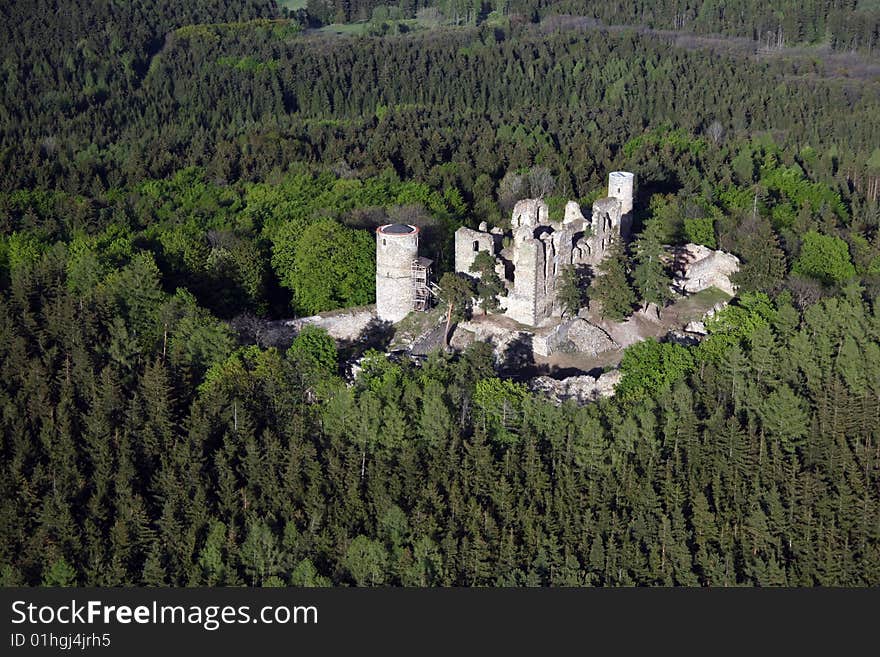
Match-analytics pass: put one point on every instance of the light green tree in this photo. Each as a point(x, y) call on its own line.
point(785, 417)
point(366, 561)
point(825, 258)
point(59, 573)
point(331, 266)
point(314, 350)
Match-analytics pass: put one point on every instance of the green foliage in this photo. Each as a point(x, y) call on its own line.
point(20, 251)
point(701, 230)
point(651, 367)
point(611, 287)
point(314, 349)
point(366, 561)
point(794, 187)
point(572, 290)
point(489, 284)
point(763, 265)
point(500, 402)
point(249, 64)
point(59, 573)
point(332, 267)
point(734, 324)
point(825, 258)
point(785, 417)
point(248, 480)
point(456, 294)
point(378, 373)
point(649, 274)
point(306, 575)
point(195, 339)
point(676, 140)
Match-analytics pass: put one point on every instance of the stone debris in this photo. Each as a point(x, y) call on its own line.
point(462, 338)
point(651, 312)
point(683, 339)
point(344, 326)
point(695, 327)
point(590, 339)
point(500, 337)
point(704, 268)
point(581, 389)
point(570, 336)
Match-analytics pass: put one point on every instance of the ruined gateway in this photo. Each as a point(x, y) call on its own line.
point(531, 260)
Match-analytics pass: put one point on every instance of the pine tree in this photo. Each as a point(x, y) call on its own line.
point(611, 287)
point(571, 290)
point(650, 277)
point(456, 293)
point(489, 284)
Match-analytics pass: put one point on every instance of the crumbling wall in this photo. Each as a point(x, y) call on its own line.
point(530, 212)
point(604, 227)
point(468, 243)
point(573, 213)
point(621, 186)
point(533, 264)
point(705, 268)
point(528, 256)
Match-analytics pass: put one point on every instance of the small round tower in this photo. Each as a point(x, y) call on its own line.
point(621, 185)
point(397, 245)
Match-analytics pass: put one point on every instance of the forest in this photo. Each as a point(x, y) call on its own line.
point(843, 24)
point(173, 175)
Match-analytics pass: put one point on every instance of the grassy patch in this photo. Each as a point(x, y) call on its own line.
point(293, 5)
point(696, 305)
point(416, 324)
point(343, 28)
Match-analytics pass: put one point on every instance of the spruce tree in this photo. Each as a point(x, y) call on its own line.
point(650, 277)
point(571, 292)
point(612, 288)
point(489, 286)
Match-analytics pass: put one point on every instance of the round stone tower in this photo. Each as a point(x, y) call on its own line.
point(621, 185)
point(397, 245)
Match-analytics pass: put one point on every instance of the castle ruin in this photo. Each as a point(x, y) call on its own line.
point(529, 257)
point(531, 260)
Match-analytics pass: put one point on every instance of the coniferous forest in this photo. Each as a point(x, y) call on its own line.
point(174, 176)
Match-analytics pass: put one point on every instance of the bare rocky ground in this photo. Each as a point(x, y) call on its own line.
point(575, 359)
point(512, 340)
point(345, 326)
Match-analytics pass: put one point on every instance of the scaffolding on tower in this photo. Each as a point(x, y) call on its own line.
point(420, 275)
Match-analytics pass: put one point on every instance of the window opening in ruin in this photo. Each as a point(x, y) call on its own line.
point(476, 246)
point(384, 243)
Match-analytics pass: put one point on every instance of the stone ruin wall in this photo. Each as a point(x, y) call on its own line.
point(541, 248)
point(468, 243)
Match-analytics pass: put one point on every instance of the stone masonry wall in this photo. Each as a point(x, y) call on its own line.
point(468, 243)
